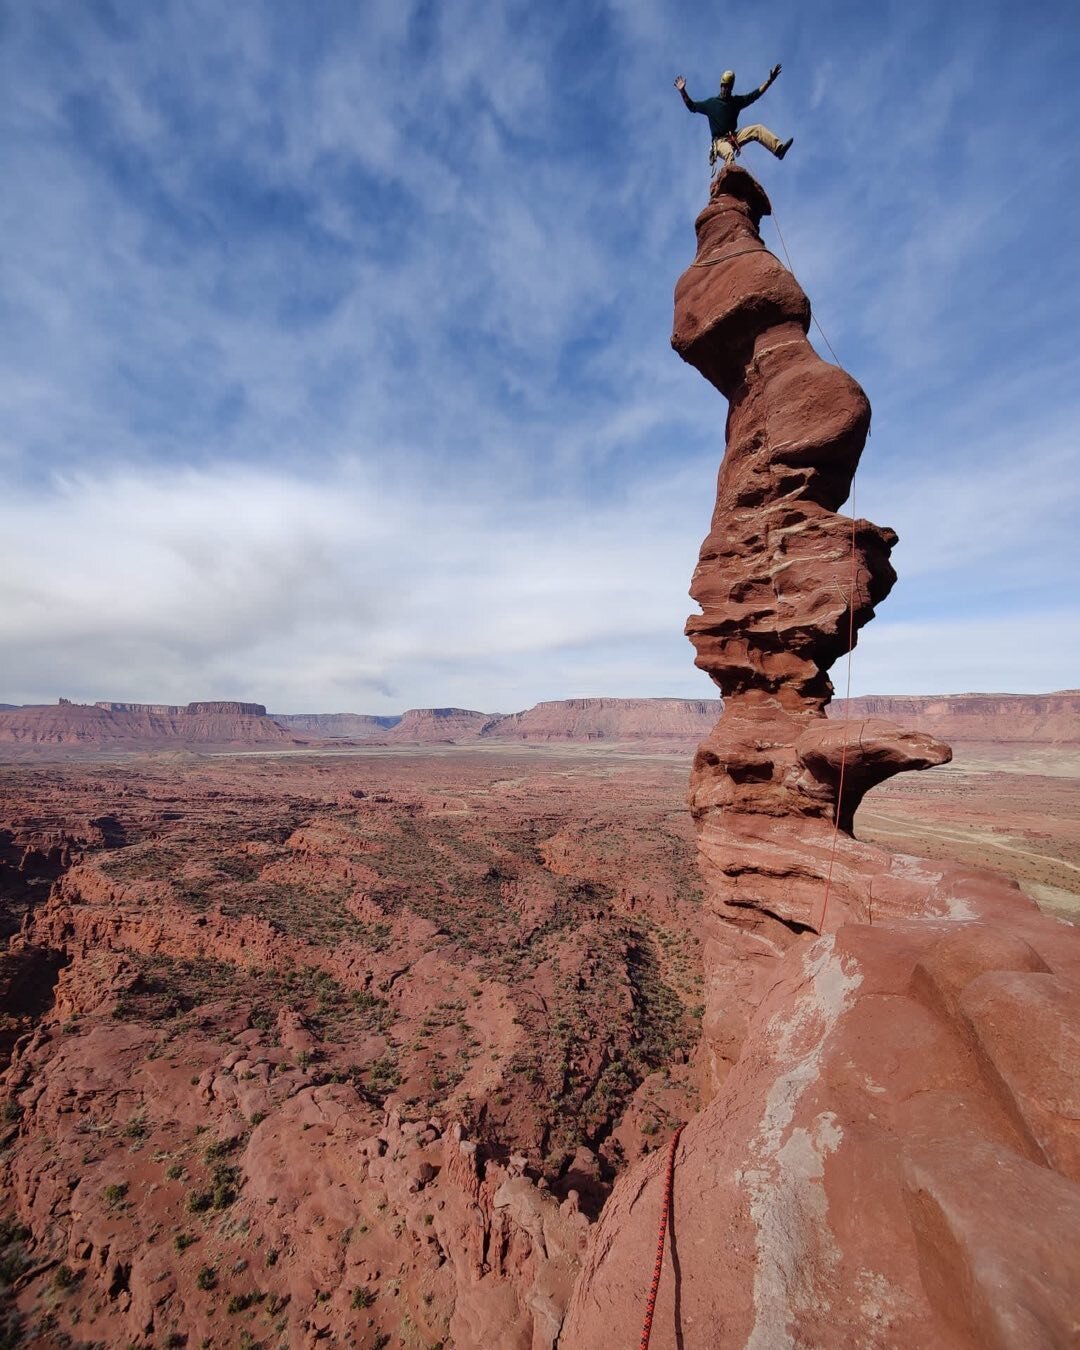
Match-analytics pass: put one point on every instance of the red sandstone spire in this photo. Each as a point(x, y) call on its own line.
point(783, 581)
point(887, 1159)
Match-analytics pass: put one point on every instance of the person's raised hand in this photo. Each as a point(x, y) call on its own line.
point(773, 73)
point(680, 83)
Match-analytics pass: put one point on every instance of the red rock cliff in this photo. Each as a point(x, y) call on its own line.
point(1045, 719)
point(141, 725)
point(892, 1154)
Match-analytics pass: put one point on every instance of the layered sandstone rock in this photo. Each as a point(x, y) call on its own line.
point(426, 726)
point(142, 725)
point(783, 581)
point(891, 1156)
point(1037, 719)
point(618, 720)
point(337, 726)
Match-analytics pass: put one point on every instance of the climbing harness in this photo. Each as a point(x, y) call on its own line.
point(665, 1209)
point(714, 153)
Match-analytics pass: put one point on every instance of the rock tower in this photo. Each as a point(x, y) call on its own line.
point(784, 583)
point(891, 1152)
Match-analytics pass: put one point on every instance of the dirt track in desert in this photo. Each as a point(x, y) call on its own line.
point(1017, 813)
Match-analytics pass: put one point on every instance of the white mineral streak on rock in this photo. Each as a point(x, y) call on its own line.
point(787, 1198)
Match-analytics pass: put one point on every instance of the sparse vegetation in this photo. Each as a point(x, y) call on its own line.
point(65, 1278)
point(619, 993)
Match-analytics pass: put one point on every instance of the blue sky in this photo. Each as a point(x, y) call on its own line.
point(335, 339)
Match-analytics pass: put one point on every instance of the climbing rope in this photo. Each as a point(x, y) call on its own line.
point(665, 1209)
point(791, 269)
point(820, 924)
point(712, 262)
point(850, 600)
point(669, 1173)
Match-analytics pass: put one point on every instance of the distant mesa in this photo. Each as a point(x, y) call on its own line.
point(426, 725)
point(225, 708)
point(647, 723)
point(1038, 719)
point(557, 721)
point(616, 720)
point(139, 726)
point(337, 726)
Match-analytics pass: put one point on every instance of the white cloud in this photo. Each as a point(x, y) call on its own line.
point(474, 473)
point(147, 585)
point(377, 592)
point(1022, 653)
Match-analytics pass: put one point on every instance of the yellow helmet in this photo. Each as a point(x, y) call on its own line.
point(728, 77)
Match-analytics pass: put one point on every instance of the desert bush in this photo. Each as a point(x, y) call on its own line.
point(66, 1278)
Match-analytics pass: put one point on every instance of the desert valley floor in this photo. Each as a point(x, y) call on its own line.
point(240, 962)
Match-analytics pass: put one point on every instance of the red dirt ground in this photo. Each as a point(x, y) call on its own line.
point(231, 966)
point(499, 938)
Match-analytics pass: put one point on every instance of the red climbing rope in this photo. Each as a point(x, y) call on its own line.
point(669, 1180)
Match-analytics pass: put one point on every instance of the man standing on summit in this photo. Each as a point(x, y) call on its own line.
point(723, 114)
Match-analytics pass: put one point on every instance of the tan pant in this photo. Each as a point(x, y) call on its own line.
point(723, 149)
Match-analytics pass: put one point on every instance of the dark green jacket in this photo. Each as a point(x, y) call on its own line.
point(723, 113)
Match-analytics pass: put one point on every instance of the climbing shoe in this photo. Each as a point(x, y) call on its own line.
point(782, 151)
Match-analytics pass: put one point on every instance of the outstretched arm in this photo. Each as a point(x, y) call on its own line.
point(753, 98)
point(680, 85)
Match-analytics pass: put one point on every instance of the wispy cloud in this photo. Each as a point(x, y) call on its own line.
point(355, 586)
point(334, 342)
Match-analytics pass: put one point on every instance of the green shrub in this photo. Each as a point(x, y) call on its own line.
point(66, 1278)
